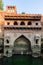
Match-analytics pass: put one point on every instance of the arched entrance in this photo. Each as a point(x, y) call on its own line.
point(22, 45)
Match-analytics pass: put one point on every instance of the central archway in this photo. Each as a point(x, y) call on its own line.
point(22, 45)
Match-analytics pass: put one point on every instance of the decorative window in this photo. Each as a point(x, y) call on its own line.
point(7, 52)
point(15, 23)
point(10, 9)
point(8, 23)
point(37, 41)
point(36, 23)
point(22, 23)
point(29, 23)
point(7, 41)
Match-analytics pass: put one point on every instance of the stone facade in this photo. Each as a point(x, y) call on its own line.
point(21, 32)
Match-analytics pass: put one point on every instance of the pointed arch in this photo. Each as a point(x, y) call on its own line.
point(22, 44)
point(22, 23)
point(15, 23)
point(29, 23)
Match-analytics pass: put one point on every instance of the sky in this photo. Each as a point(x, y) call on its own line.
point(27, 6)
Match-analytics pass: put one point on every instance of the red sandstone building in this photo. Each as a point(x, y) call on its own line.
point(22, 33)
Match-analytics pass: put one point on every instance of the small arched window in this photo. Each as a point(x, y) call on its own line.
point(37, 41)
point(36, 23)
point(7, 52)
point(15, 23)
point(29, 23)
point(7, 41)
point(22, 23)
point(8, 23)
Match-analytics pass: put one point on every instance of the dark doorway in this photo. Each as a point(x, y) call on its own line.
point(22, 45)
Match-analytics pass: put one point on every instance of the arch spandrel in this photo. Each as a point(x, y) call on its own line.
point(18, 35)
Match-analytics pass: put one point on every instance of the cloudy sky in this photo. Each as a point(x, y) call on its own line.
point(28, 6)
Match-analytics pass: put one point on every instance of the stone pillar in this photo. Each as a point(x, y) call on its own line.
point(36, 48)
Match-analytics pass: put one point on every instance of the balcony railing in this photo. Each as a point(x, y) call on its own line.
point(21, 28)
point(22, 17)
